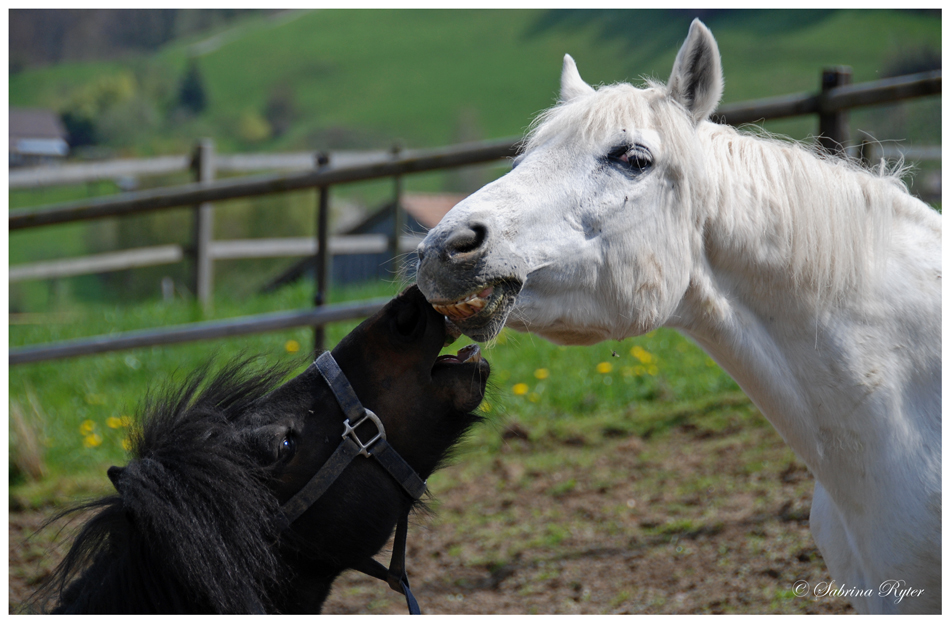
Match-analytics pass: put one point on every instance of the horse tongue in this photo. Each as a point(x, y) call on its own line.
point(452, 332)
point(468, 353)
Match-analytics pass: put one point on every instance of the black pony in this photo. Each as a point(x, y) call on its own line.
point(197, 525)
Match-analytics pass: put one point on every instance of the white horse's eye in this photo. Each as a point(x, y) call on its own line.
point(634, 159)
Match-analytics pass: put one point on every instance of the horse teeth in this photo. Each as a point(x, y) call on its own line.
point(467, 307)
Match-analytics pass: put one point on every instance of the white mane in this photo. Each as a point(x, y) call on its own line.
point(824, 217)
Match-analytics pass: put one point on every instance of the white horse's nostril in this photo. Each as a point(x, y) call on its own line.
point(466, 239)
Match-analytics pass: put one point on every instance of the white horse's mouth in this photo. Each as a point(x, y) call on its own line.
point(481, 313)
point(467, 306)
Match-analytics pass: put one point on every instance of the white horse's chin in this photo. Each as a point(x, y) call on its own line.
point(546, 317)
point(561, 334)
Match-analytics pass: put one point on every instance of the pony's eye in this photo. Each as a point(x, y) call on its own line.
point(287, 448)
point(634, 159)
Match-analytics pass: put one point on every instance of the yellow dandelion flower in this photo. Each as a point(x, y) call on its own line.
point(92, 440)
point(292, 346)
point(126, 421)
point(87, 427)
point(113, 422)
point(126, 444)
point(642, 355)
point(485, 407)
point(520, 389)
point(541, 373)
point(604, 367)
point(653, 370)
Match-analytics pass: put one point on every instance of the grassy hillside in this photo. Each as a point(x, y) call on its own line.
point(379, 75)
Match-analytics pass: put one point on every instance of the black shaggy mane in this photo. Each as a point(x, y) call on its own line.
point(194, 525)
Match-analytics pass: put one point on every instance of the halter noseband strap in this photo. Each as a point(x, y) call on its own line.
point(350, 448)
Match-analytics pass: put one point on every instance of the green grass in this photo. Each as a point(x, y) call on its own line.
point(80, 403)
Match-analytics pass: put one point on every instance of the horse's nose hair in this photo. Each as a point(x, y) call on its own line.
point(466, 239)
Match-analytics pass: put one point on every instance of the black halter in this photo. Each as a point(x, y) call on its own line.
point(351, 447)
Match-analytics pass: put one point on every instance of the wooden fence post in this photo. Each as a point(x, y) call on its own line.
point(203, 166)
point(323, 258)
point(833, 127)
point(869, 151)
point(399, 218)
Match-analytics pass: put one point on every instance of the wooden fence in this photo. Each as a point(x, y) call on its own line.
point(831, 104)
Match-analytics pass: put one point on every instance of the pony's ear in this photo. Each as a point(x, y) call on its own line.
point(572, 85)
point(115, 473)
point(696, 81)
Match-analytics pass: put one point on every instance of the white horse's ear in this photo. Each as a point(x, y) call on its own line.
point(572, 85)
point(696, 81)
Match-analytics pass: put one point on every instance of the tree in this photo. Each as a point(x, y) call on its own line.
point(192, 96)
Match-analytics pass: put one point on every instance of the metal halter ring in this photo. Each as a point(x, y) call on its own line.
point(350, 431)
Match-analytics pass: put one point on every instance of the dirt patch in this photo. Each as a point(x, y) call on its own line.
point(691, 521)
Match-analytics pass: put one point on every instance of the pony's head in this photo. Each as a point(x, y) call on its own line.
point(197, 525)
point(590, 236)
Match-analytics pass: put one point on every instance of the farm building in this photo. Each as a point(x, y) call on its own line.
point(37, 136)
point(423, 212)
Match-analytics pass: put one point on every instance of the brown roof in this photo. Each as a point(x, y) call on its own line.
point(26, 123)
point(429, 208)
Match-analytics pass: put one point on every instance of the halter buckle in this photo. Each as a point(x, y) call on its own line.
point(349, 430)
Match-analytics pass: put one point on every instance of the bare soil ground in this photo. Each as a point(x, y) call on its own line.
point(693, 520)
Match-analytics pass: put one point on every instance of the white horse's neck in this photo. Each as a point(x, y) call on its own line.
point(840, 361)
point(791, 282)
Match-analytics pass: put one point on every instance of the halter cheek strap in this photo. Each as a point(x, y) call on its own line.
point(350, 448)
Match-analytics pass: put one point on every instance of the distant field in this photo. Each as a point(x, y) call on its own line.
point(410, 74)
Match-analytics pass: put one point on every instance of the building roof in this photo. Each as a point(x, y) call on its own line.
point(35, 123)
point(36, 132)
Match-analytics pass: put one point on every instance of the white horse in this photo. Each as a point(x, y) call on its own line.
point(814, 283)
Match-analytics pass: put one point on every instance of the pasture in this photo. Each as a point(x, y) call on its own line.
point(641, 482)
point(626, 477)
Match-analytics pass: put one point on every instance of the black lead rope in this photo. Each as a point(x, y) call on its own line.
point(350, 448)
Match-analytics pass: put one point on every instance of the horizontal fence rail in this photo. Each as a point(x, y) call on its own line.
point(78, 173)
point(410, 161)
point(840, 98)
point(98, 263)
point(219, 250)
point(197, 331)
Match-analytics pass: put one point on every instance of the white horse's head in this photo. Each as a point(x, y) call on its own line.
point(591, 236)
